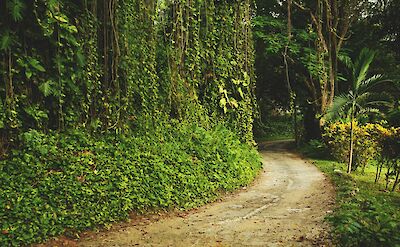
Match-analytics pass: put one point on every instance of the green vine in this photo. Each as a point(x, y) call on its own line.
point(107, 65)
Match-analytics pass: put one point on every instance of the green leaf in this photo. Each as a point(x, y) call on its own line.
point(61, 18)
point(222, 102)
point(246, 79)
point(72, 29)
point(36, 64)
point(236, 82)
point(234, 103)
point(46, 88)
point(241, 92)
point(28, 74)
point(80, 58)
point(5, 41)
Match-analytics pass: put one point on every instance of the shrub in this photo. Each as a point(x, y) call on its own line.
point(373, 142)
point(390, 156)
point(368, 144)
point(59, 183)
point(316, 149)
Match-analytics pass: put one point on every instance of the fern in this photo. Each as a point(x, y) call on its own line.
point(16, 8)
point(5, 40)
point(47, 88)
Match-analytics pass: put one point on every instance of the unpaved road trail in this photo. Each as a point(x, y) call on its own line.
point(284, 207)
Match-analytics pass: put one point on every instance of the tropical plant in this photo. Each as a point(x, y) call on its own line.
point(360, 101)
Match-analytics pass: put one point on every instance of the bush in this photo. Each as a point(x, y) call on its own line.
point(365, 216)
point(315, 149)
point(60, 183)
point(367, 142)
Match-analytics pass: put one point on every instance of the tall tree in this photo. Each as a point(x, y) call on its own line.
point(331, 21)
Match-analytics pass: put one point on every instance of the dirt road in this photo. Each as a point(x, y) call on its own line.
point(284, 207)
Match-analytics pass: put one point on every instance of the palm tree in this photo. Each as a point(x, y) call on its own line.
point(360, 100)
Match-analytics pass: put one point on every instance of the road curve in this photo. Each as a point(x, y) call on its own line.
point(284, 207)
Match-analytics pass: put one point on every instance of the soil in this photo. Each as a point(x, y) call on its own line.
point(285, 206)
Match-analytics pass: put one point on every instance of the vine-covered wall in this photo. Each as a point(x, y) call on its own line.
point(107, 64)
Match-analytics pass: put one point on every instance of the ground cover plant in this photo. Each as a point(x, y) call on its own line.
point(278, 127)
point(366, 213)
point(111, 106)
point(64, 183)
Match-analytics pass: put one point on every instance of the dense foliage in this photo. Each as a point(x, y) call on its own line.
point(105, 64)
point(60, 183)
point(109, 106)
point(278, 127)
point(316, 39)
point(374, 144)
point(304, 64)
point(366, 216)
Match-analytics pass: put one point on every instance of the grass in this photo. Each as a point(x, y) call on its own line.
point(366, 214)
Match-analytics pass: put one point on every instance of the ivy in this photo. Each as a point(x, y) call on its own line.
point(111, 106)
point(70, 182)
point(106, 64)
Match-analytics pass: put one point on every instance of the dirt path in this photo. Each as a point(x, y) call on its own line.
point(285, 207)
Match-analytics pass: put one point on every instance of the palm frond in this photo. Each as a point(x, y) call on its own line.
point(364, 97)
point(6, 40)
point(373, 81)
point(379, 103)
point(346, 60)
point(339, 107)
point(369, 111)
point(361, 66)
point(16, 8)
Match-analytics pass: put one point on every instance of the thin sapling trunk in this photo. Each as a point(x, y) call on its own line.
point(396, 181)
point(351, 140)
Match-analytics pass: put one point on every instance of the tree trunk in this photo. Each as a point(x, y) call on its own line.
point(351, 146)
point(378, 172)
point(331, 20)
point(396, 181)
point(296, 131)
point(387, 178)
point(312, 126)
point(292, 94)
